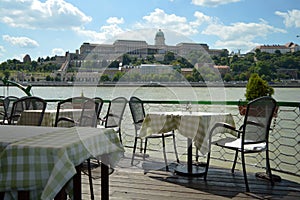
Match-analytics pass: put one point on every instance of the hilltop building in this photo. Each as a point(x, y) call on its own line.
point(142, 48)
point(104, 53)
point(26, 59)
point(287, 48)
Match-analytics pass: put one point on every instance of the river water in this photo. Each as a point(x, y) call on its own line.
point(152, 93)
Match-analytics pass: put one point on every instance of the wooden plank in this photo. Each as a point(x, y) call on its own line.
point(132, 183)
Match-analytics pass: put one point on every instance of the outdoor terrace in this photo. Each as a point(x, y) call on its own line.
point(149, 180)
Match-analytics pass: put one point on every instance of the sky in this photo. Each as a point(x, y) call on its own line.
point(44, 28)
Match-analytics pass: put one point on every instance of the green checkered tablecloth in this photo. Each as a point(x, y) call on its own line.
point(193, 125)
point(43, 163)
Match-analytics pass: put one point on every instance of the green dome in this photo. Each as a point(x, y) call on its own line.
point(159, 34)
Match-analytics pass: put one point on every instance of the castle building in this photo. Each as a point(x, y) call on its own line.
point(142, 48)
point(101, 54)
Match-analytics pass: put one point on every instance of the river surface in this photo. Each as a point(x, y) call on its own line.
point(152, 93)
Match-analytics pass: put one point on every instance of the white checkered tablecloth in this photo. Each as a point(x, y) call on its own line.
point(44, 163)
point(193, 125)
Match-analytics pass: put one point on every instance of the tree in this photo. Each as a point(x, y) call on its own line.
point(169, 57)
point(6, 74)
point(104, 78)
point(126, 60)
point(227, 77)
point(117, 76)
point(257, 87)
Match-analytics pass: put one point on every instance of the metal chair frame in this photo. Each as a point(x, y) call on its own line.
point(257, 120)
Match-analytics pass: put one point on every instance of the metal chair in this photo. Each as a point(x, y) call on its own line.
point(100, 105)
point(79, 111)
point(136, 106)
point(7, 107)
point(28, 103)
point(251, 137)
point(114, 115)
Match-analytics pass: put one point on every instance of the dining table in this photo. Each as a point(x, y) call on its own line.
point(45, 162)
point(195, 126)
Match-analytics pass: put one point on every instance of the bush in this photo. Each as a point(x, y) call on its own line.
point(257, 87)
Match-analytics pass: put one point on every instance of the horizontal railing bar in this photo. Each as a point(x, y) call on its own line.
point(279, 103)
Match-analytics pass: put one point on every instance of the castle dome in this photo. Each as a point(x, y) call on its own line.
point(159, 38)
point(160, 33)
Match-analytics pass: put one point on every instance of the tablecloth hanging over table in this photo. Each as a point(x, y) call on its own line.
point(193, 125)
point(44, 163)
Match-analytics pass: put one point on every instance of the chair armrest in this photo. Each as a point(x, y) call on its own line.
point(255, 123)
point(224, 125)
point(66, 119)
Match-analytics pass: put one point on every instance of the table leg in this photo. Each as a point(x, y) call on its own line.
point(189, 169)
point(62, 195)
point(2, 195)
point(77, 184)
point(104, 178)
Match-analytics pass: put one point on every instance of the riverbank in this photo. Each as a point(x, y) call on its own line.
point(153, 84)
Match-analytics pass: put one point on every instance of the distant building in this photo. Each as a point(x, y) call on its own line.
point(26, 59)
point(223, 69)
point(100, 55)
point(288, 47)
point(155, 69)
point(142, 48)
point(187, 71)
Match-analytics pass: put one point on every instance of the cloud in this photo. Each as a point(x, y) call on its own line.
point(23, 42)
point(158, 19)
point(233, 45)
point(291, 18)
point(2, 49)
point(104, 33)
point(58, 52)
point(115, 20)
point(212, 3)
point(201, 18)
point(35, 14)
point(240, 34)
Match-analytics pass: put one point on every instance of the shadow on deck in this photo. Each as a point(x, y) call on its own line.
point(145, 180)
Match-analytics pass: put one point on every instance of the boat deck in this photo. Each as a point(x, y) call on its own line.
point(145, 180)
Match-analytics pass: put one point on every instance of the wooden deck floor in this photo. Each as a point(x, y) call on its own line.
point(146, 181)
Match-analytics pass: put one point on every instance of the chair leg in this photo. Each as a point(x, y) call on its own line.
point(234, 161)
point(120, 136)
point(175, 149)
point(134, 149)
point(207, 165)
point(141, 146)
point(244, 172)
point(269, 172)
point(164, 152)
point(145, 149)
point(90, 179)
